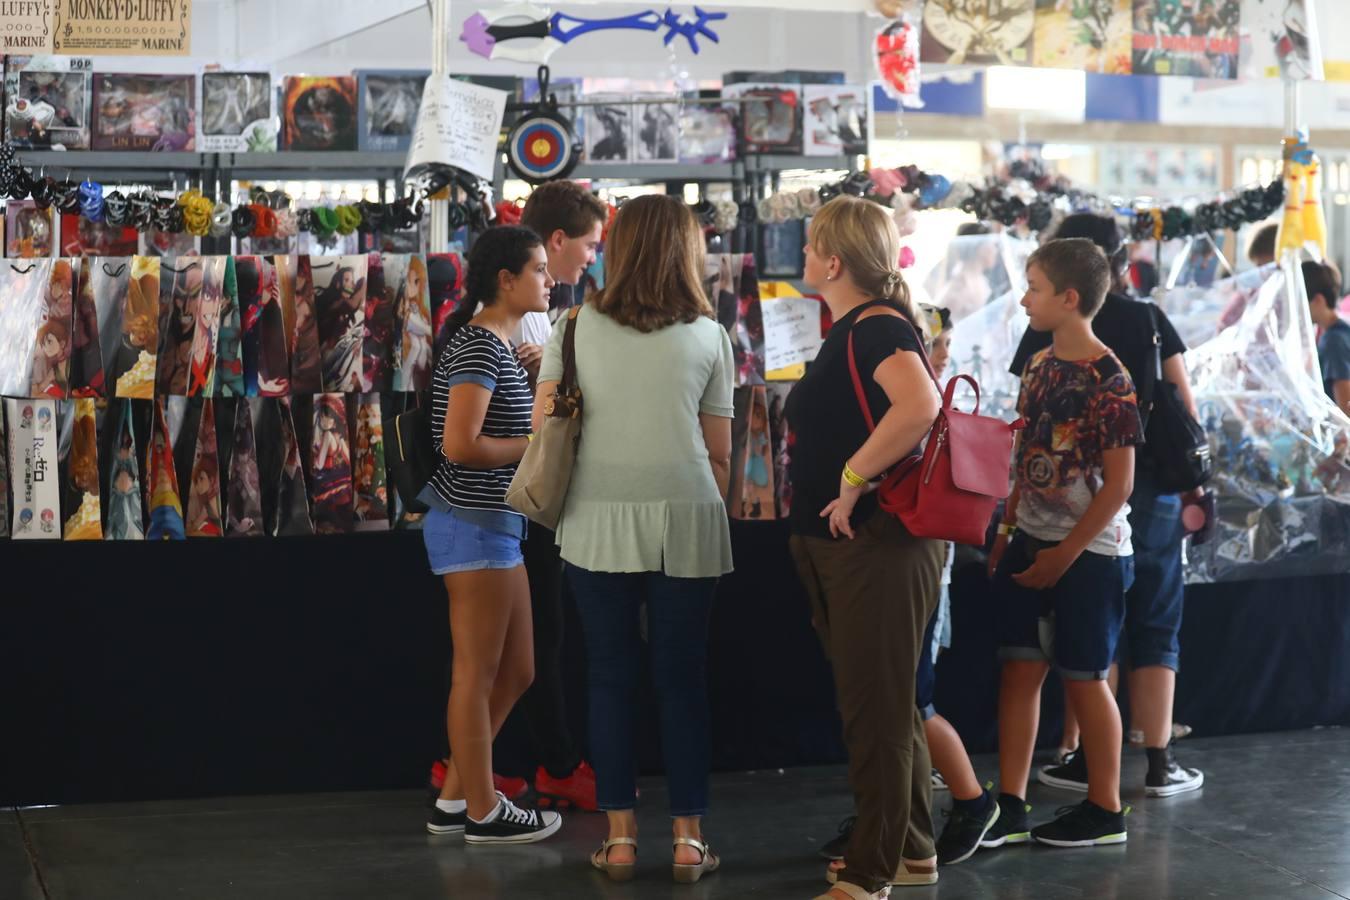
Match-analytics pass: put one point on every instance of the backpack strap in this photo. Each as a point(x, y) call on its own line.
point(883, 308)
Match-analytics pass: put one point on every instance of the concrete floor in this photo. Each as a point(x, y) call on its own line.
point(1271, 822)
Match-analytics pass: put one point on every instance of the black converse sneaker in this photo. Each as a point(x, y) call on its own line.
point(1011, 826)
point(1166, 777)
point(1084, 825)
point(509, 824)
point(965, 830)
point(1071, 775)
point(839, 843)
point(441, 822)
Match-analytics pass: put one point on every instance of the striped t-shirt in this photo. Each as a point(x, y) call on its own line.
point(477, 356)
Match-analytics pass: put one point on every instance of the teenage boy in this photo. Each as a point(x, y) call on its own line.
point(571, 220)
point(1333, 347)
point(1060, 582)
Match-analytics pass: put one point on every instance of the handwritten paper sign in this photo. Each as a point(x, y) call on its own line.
point(791, 332)
point(458, 125)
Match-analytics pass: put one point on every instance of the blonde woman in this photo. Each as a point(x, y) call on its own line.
point(644, 520)
point(873, 586)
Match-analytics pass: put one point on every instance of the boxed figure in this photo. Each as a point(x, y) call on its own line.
point(144, 112)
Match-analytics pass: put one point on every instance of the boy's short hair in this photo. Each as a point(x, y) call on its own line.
point(1320, 278)
point(1076, 263)
point(1262, 244)
point(563, 206)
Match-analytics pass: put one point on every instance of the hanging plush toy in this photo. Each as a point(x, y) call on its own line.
point(896, 49)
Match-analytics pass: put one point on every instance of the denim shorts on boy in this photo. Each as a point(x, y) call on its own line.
point(1153, 606)
point(1088, 606)
point(458, 544)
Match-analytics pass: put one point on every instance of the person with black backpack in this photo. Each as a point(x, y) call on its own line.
point(1173, 459)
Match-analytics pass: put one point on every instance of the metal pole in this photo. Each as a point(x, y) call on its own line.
point(440, 209)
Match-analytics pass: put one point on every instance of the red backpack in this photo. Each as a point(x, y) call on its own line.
point(949, 492)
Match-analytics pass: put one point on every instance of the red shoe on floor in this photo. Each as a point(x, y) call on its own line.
point(513, 788)
point(577, 789)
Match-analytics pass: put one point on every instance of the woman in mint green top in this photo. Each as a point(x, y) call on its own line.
point(644, 520)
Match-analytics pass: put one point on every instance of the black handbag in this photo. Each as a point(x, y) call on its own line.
point(410, 455)
point(1176, 444)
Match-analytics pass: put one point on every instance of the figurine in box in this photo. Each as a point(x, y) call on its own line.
point(320, 113)
point(770, 117)
point(144, 112)
point(238, 113)
point(46, 106)
point(387, 107)
point(836, 119)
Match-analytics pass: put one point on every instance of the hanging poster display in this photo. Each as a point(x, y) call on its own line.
point(292, 509)
point(369, 479)
point(161, 28)
point(406, 277)
point(1173, 38)
point(51, 354)
point(166, 505)
point(340, 308)
point(331, 466)
point(33, 468)
point(126, 518)
point(203, 504)
point(1090, 35)
point(136, 360)
point(229, 346)
point(376, 370)
point(206, 338)
point(23, 293)
point(758, 500)
point(86, 359)
point(994, 32)
point(82, 487)
point(306, 360)
point(180, 296)
point(244, 513)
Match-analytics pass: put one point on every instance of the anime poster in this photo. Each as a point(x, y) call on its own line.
point(86, 359)
point(229, 347)
point(445, 277)
point(836, 119)
point(206, 339)
point(80, 237)
point(55, 337)
point(285, 266)
point(203, 504)
point(319, 113)
point(274, 363)
point(381, 325)
point(780, 443)
point(23, 300)
point(405, 278)
point(608, 129)
point(1284, 40)
point(126, 518)
point(180, 297)
point(1091, 35)
point(166, 506)
point(4, 479)
point(770, 117)
point(244, 513)
point(368, 473)
point(757, 498)
point(33, 469)
point(306, 358)
point(134, 362)
point(46, 105)
point(82, 488)
point(748, 339)
point(29, 230)
point(388, 103)
point(1198, 38)
point(331, 466)
point(144, 112)
point(292, 509)
point(991, 32)
point(656, 131)
point(238, 113)
point(340, 309)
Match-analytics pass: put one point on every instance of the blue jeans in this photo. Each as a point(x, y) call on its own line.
point(1153, 606)
point(678, 611)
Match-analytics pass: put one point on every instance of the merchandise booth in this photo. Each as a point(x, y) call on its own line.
point(232, 237)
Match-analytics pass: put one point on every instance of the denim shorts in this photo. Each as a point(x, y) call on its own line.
point(1078, 621)
point(1153, 606)
point(455, 544)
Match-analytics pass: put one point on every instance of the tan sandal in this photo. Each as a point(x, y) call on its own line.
point(615, 871)
point(857, 893)
point(912, 873)
point(685, 874)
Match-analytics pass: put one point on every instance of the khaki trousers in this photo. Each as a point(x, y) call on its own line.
point(871, 599)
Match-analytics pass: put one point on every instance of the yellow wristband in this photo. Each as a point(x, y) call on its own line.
point(529, 438)
point(1007, 530)
point(853, 478)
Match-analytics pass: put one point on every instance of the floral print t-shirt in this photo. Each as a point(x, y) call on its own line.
point(1075, 411)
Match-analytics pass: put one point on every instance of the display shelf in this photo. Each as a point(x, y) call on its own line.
point(83, 160)
point(655, 172)
point(315, 159)
point(812, 163)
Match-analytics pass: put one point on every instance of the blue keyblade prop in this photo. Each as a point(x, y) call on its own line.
point(566, 28)
point(691, 31)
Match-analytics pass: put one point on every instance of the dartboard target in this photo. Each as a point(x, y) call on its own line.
point(542, 148)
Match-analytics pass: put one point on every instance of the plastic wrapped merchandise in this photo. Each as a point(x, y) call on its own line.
point(1282, 447)
point(977, 270)
point(23, 289)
